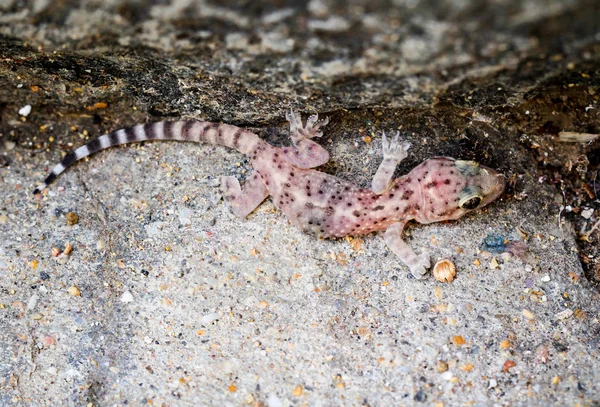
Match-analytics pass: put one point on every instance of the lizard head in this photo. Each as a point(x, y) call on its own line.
point(452, 188)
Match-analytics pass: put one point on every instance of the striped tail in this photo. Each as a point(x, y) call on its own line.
point(201, 132)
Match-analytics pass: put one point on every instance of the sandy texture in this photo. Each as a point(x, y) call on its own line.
point(167, 299)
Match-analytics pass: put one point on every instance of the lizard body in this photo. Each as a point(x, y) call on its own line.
point(438, 189)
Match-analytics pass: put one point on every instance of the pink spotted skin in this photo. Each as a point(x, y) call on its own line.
point(329, 207)
point(439, 189)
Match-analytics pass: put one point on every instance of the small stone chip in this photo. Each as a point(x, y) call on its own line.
point(74, 291)
point(72, 218)
point(564, 314)
point(126, 297)
point(505, 344)
point(297, 391)
point(509, 364)
point(528, 314)
point(458, 340)
point(441, 366)
point(232, 388)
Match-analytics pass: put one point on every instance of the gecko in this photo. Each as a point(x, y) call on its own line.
point(439, 189)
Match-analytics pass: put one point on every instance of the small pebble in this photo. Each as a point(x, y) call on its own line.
point(209, 318)
point(528, 314)
point(74, 291)
point(68, 248)
point(126, 297)
point(44, 276)
point(545, 278)
point(564, 314)
point(3, 219)
point(25, 110)
point(446, 375)
point(587, 213)
point(441, 366)
point(72, 218)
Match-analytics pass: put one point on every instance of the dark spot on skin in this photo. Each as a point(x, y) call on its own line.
point(322, 231)
point(407, 209)
point(296, 152)
point(291, 174)
point(451, 172)
point(349, 204)
point(397, 208)
point(391, 195)
point(310, 222)
point(417, 207)
point(446, 202)
point(356, 213)
point(431, 184)
point(346, 188)
point(329, 211)
point(266, 182)
point(309, 205)
point(357, 225)
point(408, 180)
point(378, 208)
point(407, 194)
point(384, 219)
point(340, 197)
point(287, 184)
point(286, 194)
point(360, 199)
point(426, 172)
point(307, 187)
point(309, 194)
point(280, 202)
point(320, 192)
point(454, 191)
point(274, 160)
point(447, 182)
point(418, 179)
point(375, 222)
point(279, 166)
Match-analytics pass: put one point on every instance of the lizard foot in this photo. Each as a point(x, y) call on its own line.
point(420, 266)
point(310, 130)
point(394, 148)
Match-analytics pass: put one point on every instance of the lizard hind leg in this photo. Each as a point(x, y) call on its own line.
point(305, 153)
point(243, 199)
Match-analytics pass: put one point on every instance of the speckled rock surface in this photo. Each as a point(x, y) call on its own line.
point(167, 299)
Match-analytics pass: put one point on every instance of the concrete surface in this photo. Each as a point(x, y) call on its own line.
point(168, 299)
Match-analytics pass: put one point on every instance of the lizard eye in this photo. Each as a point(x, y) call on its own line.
point(470, 202)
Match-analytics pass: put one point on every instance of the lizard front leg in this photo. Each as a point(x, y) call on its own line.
point(418, 264)
point(305, 153)
point(243, 199)
point(394, 151)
